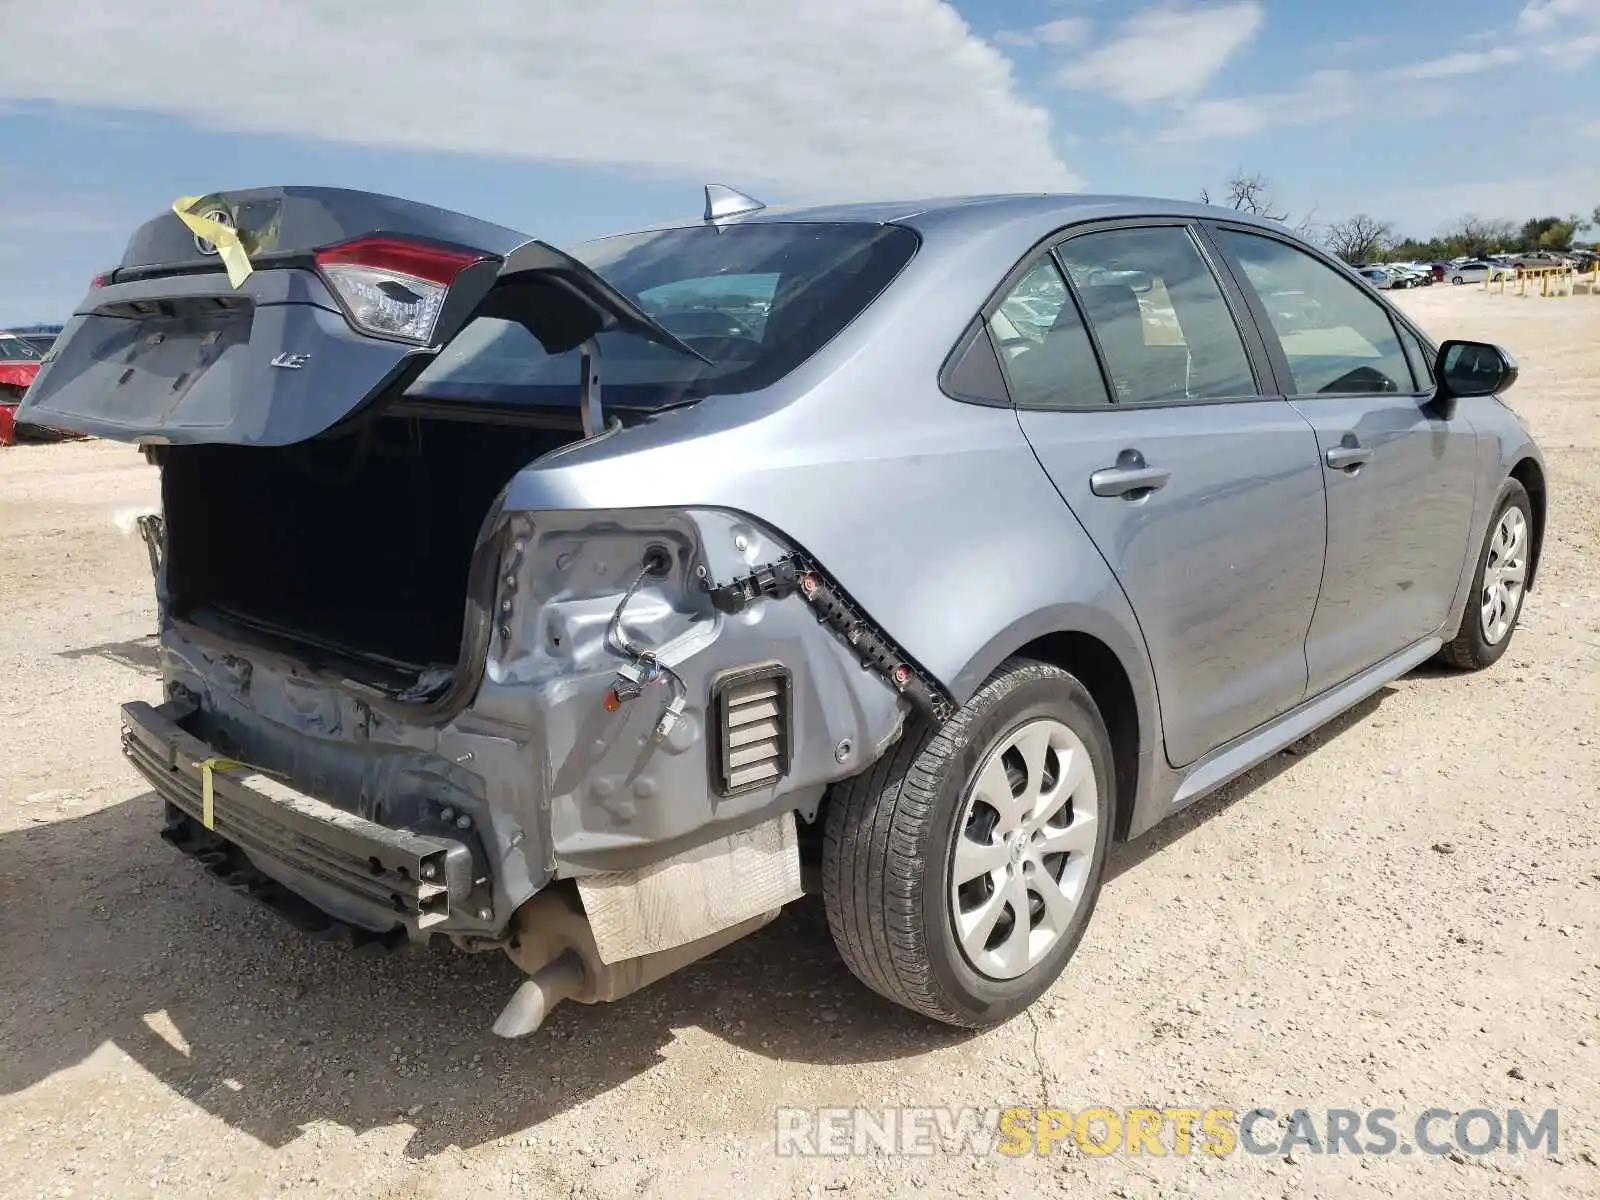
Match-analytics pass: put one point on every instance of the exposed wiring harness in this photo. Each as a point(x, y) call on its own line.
point(643, 668)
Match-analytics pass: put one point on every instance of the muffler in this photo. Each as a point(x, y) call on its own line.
point(550, 938)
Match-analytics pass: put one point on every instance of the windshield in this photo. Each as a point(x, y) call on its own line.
point(13, 349)
point(757, 300)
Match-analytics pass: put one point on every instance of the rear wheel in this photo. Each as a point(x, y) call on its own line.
point(959, 873)
point(1502, 575)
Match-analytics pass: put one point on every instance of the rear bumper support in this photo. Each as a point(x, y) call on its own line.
point(368, 874)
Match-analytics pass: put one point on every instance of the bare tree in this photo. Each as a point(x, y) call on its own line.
point(1359, 239)
point(1254, 194)
point(1307, 226)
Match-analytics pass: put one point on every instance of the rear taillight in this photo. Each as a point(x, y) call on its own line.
point(391, 286)
point(98, 281)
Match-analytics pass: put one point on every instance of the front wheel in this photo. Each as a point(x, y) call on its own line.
point(960, 871)
point(1502, 575)
point(1457, 280)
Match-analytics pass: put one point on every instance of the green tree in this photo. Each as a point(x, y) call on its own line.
point(1548, 233)
point(1559, 235)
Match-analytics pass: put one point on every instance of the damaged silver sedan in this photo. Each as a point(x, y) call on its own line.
point(593, 606)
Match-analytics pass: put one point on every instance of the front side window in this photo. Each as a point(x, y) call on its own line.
point(756, 299)
point(1160, 316)
point(1040, 336)
point(1417, 355)
point(1337, 338)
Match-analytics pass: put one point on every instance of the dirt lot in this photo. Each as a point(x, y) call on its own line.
point(1404, 913)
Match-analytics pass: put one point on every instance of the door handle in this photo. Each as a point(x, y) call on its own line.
point(1126, 481)
point(1348, 456)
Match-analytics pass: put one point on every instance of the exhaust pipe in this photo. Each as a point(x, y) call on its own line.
point(550, 938)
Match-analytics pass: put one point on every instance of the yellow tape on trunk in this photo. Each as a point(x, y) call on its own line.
point(224, 237)
point(208, 787)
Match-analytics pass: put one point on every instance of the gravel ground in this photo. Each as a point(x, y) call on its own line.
point(1404, 912)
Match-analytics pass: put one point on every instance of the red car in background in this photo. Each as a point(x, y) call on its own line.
point(19, 363)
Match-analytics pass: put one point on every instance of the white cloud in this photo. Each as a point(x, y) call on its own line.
point(1349, 45)
point(829, 98)
point(1166, 53)
point(1452, 65)
point(1411, 90)
point(1066, 31)
point(1327, 96)
point(1557, 192)
point(1540, 17)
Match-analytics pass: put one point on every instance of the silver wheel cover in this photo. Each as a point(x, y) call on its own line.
point(1505, 572)
point(1024, 843)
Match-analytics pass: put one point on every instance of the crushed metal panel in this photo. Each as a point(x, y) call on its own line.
point(693, 894)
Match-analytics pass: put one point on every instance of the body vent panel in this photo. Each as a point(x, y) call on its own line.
point(752, 724)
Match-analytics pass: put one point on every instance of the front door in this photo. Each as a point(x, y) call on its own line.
point(1203, 494)
point(1399, 476)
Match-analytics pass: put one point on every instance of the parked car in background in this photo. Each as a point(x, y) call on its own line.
point(1477, 270)
point(40, 341)
point(1380, 277)
point(40, 337)
point(1540, 260)
point(19, 364)
point(491, 608)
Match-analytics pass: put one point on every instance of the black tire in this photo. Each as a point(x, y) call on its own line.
point(889, 838)
point(1469, 650)
point(1457, 280)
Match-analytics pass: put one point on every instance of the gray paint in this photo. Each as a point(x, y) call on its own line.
point(937, 518)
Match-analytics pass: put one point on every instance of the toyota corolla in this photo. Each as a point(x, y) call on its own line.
point(592, 606)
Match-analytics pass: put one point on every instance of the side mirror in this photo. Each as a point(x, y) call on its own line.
point(1466, 369)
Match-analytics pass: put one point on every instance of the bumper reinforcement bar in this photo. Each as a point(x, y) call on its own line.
point(412, 876)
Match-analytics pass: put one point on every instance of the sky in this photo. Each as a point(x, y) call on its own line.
point(572, 120)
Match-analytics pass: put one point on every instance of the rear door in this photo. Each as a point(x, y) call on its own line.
point(351, 296)
point(1200, 488)
point(1400, 476)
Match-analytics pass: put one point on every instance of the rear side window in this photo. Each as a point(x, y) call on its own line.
point(1338, 338)
point(1160, 316)
point(756, 299)
point(1041, 339)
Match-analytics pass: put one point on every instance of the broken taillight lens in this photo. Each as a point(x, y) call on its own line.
point(391, 286)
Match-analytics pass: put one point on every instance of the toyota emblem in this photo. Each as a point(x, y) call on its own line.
point(221, 217)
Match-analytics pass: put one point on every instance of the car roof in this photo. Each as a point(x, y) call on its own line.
point(1043, 210)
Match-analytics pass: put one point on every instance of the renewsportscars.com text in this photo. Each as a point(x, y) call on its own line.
point(1214, 1130)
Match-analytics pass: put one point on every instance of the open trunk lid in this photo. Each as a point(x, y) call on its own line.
point(349, 296)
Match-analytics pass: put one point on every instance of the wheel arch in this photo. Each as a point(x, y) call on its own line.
point(1530, 475)
point(1109, 658)
point(1095, 665)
